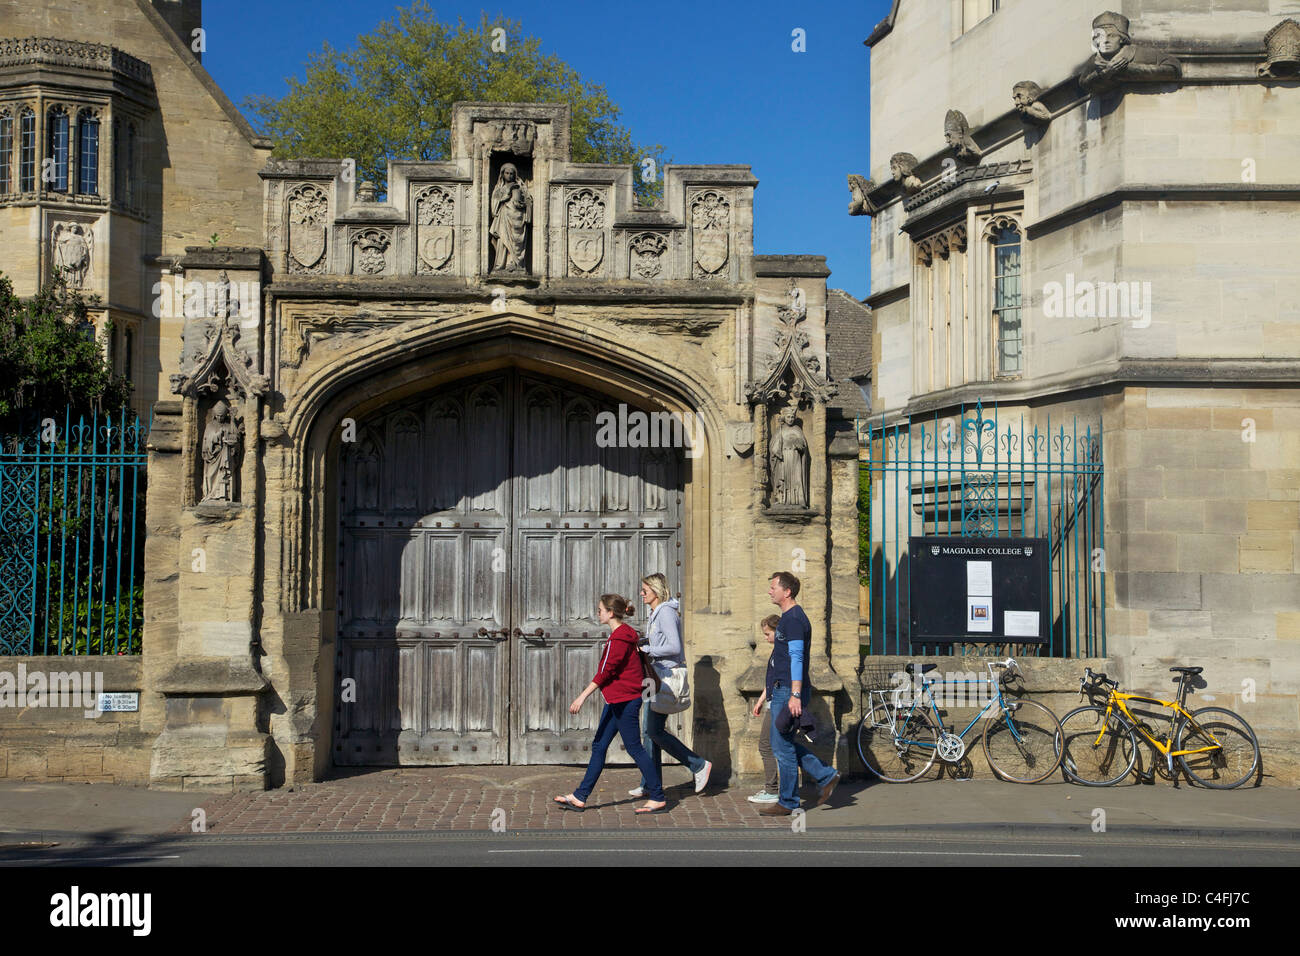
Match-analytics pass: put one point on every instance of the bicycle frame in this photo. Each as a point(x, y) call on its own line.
point(927, 695)
point(1117, 699)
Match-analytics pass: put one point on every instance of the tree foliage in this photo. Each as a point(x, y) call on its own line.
point(391, 96)
point(49, 359)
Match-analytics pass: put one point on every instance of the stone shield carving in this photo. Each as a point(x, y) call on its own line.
point(711, 223)
point(435, 232)
point(586, 249)
point(586, 222)
point(308, 210)
point(711, 251)
point(435, 245)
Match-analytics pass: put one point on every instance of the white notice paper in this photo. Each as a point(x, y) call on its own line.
point(979, 578)
point(1020, 623)
point(979, 614)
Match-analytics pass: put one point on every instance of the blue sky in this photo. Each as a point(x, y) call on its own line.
point(715, 82)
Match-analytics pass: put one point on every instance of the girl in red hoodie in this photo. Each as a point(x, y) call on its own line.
point(619, 679)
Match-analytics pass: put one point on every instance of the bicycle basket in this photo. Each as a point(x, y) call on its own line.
point(879, 677)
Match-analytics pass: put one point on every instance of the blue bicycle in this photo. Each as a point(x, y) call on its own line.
point(898, 739)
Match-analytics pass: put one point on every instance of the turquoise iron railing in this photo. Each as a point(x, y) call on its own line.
point(72, 537)
point(967, 475)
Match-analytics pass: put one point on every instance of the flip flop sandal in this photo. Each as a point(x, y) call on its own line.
point(567, 803)
point(662, 809)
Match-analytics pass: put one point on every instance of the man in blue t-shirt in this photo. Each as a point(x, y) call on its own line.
point(788, 689)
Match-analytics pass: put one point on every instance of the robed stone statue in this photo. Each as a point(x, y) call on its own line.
point(511, 213)
point(788, 457)
point(220, 453)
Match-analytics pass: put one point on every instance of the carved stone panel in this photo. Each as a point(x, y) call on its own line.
point(586, 231)
point(710, 232)
point(647, 255)
point(370, 251)
point(435, 229)
point(72, 247)
point(308, 215)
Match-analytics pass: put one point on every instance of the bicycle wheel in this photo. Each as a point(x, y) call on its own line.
point(897, 746)
point(1235, 754)
point(1022, 746)
point(1096, 752)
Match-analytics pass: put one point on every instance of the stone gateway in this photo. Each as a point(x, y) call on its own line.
point(399, 448)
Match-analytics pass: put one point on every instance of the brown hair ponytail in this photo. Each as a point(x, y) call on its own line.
point(616, 605)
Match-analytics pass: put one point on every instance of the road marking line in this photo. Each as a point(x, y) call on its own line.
point(867, 852)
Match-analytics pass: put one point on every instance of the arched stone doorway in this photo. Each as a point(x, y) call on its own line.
point(477, 525)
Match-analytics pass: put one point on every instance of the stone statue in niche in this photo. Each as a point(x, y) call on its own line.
point(788, 459)
point(511, 213)
point(956, 133)
point(1116, 58)
point(901, 166)
point(1026, 94)
point(72, 247)
point(221, 440)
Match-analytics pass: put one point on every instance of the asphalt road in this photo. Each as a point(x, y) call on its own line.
point(849, 847)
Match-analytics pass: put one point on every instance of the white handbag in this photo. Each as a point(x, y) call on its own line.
point(674, 689)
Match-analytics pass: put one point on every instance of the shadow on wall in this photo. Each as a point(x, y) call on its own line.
point(712, 730)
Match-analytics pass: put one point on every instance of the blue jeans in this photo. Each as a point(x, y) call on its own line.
point(791, 755)
point(621, 719)
point(657, 739)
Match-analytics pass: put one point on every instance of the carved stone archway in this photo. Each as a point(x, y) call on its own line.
point(302, 483)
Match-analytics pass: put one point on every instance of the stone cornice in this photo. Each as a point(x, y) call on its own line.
point(49, 51)
point(453, 289)
point(1170, 373)
point(781, 266)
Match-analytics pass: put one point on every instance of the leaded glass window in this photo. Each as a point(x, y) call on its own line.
point(1007, 325)
point(87, 155)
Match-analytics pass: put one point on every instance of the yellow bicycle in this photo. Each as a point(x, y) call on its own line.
point(1099, 744)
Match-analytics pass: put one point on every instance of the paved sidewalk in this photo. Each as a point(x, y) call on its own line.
point(520, 798)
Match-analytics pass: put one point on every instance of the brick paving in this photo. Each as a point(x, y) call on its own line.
point(466, 798)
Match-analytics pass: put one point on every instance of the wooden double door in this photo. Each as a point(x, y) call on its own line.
point(478, 527)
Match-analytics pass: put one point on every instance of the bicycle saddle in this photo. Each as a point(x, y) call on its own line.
point(1186, 670)
point(925, 668)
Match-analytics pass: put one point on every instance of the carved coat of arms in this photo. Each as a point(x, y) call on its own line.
point(647, 252)
point(586, 231)
point(586, 249)
point(307, 213)
point(710, 222)
point(435, 231)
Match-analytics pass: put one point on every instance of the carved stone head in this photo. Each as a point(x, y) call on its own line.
point(1025, 95)
point(508, 173)
point(956, 132)
point(788, 414)
point(1109, 34)
point(901, 166)
point(1283, 46)
point(220, 412)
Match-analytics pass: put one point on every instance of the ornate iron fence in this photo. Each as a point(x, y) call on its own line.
point(966, 475)
point(72, 537)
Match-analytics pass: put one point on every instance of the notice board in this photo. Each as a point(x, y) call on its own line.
point(979, 590)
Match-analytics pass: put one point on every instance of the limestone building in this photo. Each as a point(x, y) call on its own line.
point(400, 447)
point(1091, 214)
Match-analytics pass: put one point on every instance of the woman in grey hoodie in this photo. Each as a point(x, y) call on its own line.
point(663, 642)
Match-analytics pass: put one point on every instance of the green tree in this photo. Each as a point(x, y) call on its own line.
point(49, 359)
point(391, 96)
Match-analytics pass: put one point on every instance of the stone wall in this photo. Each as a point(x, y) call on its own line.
point(39, 741)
